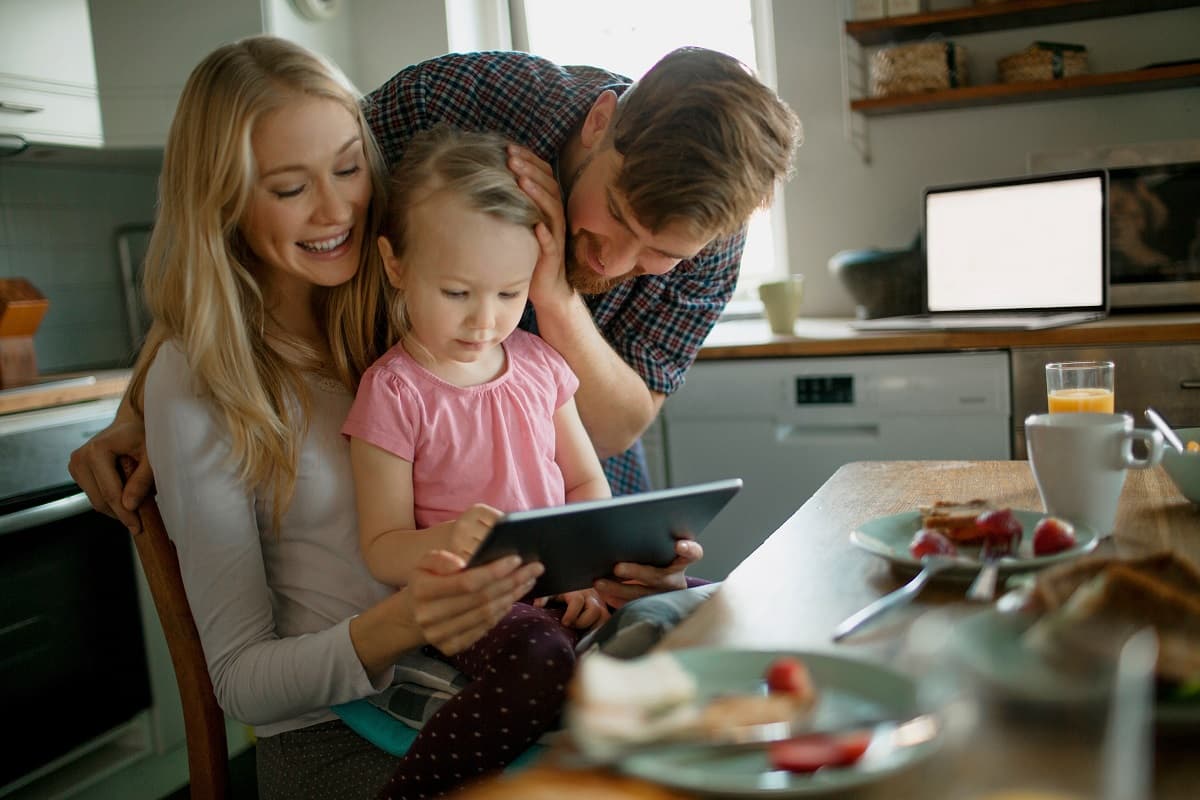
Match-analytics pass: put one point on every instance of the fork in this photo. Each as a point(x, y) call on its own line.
point(983, 588)
point(930, 566)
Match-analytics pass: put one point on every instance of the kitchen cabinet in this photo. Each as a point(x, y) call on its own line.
point(1165, 377)
point(1010, 15)
point(47, 73)
point(145, 50)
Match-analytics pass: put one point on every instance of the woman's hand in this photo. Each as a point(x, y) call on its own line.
point(639, 580)
point(536, 179)
point(94, 467)
point(453, 607)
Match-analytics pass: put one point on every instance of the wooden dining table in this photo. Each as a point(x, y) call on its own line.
point(808, 576)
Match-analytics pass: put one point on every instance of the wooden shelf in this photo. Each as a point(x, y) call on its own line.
point(1138, 80)
point(999, 16)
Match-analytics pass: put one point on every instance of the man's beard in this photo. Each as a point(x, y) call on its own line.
point(583, 278)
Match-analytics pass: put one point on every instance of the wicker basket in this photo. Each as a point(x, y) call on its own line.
point(1043, 61)
point(919, 67)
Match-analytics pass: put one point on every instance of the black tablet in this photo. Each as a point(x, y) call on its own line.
point(580, 542)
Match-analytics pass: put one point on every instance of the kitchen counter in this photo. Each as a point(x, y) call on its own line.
point(64, 388)
point(830, 337)
point(750, 339)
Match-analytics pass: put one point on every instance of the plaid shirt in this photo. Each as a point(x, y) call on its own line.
point(655, 322)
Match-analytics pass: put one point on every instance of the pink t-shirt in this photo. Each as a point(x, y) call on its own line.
point(492, 443)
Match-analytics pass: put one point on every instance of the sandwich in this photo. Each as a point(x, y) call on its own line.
point(1161, 590)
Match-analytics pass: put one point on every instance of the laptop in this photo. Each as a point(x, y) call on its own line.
point(1017, 254)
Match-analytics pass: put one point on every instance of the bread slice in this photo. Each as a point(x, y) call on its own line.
point(1056, 584)
point(1161, 590)
point(955, 520)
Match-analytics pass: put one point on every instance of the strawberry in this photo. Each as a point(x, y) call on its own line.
point(1052, 535)
point(788, 675)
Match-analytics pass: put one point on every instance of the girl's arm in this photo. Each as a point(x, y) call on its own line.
point(390, 541)
point(583, 477)
point(388, 536)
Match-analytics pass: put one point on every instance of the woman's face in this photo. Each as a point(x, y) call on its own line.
point(308, 204)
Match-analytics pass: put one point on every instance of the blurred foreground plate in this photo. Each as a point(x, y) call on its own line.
point(890, 536)
point(992, 644)
point(849, 689)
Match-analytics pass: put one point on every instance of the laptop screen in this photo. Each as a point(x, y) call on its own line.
point(1025, 244)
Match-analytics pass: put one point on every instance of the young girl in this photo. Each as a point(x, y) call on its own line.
point(464, 419)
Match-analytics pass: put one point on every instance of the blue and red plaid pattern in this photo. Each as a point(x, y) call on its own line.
point(656, 323)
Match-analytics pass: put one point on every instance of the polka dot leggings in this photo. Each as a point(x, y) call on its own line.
point(519, 672)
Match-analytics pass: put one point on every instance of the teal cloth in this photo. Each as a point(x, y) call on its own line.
point(392, 736)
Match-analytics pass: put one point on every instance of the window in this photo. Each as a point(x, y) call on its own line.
point(629, 36)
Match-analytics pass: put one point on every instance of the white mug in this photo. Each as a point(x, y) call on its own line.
point(1079, 462)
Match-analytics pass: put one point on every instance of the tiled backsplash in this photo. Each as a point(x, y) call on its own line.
point(58, 225)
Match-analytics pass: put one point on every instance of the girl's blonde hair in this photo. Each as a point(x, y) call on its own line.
point(470, 165)
point(200, 275)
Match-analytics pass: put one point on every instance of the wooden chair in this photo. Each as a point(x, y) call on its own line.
point(204, 722)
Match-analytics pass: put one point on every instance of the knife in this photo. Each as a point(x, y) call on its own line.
point(892, 733)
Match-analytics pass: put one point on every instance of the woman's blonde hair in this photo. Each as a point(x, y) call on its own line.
point(470, 165)
point(200, 275)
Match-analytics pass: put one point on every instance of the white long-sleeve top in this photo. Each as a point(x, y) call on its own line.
point(273, 612)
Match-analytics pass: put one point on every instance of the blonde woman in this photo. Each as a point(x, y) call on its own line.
point(267, 294)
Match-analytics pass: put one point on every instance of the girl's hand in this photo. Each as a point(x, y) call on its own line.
point(536, 179)
point(639, 580)
point(585, 609)
point(453, 607)
point(472, 528)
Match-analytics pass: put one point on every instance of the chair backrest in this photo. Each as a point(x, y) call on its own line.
point(204, 722)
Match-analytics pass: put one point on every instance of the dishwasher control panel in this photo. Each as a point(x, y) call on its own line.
point(825, 390)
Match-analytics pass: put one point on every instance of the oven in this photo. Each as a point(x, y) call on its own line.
point(75, 681)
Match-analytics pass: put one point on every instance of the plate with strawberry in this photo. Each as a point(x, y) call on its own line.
point(1021, 540)
point(838, 752)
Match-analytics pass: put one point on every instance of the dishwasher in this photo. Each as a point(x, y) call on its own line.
point(785, 425)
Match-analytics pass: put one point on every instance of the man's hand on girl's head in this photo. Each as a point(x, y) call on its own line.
point(536, 178)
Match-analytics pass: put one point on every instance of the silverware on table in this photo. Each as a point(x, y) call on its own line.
point(983, 588)
point(931, 565)
point(735, 739)
point(1128, 757)
point(1165, 429)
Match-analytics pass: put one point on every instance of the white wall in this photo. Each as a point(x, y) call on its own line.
point(391, 35)
point(838, 202)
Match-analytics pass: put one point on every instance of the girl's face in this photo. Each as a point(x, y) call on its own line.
point(465, 279)
point(308, 205)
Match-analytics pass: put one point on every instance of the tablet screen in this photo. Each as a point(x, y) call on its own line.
point(581, 542)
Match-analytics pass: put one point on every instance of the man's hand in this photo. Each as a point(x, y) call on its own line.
point(94, 467)
point(639, 580)
point(453, 607)
point(536, 179)
point(472, 528)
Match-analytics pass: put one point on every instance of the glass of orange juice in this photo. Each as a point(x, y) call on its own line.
point(1080, 386)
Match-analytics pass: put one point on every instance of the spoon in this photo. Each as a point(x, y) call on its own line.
point(1164, 429)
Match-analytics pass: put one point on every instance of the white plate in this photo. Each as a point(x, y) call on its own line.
point(889, 537)
point(991, 643)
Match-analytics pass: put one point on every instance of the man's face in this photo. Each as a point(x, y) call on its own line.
point(606, 244)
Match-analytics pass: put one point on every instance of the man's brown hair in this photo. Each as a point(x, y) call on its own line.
point(703, 142)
